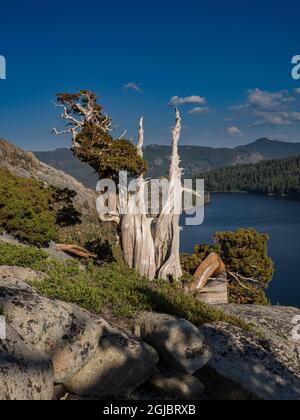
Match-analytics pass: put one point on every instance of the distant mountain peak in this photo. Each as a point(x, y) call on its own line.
point(267, 140)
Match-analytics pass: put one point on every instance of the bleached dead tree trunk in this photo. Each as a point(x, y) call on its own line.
point(158, 254)
point(137, 239)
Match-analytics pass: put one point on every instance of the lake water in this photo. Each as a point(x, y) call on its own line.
point(278, 217)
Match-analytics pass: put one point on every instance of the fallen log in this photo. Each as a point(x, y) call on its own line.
point(76, 251)
point(212, 265)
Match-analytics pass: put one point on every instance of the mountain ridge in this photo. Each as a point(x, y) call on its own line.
point(195, 159)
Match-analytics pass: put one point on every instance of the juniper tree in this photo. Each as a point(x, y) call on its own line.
point(151, 248)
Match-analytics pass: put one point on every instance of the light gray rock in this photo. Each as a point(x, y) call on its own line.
point(274, 321)
point(178, 342)
point(280, 328)
point(57, 254)
point(119, 366)
point(266, 368)
point(215, 292)
point(65, 333)
point(5, 238)
point(172, 384)
point(25, 374)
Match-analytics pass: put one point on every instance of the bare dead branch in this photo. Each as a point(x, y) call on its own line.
point(167, 236)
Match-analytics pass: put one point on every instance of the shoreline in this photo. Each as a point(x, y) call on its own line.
point(290, 197)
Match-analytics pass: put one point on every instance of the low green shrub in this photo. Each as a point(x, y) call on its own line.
point(245, 254)
point(21, 256)
point(26, 209)
point(124, 292)
point(112, 287)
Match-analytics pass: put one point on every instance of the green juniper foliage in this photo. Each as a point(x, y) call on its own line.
point(108, 156)
point(245, 254)
point(32, 212)
point(26, 209)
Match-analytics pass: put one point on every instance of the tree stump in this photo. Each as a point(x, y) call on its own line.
point(215, 292)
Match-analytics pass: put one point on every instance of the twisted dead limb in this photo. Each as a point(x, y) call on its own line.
point(84, 105)
point(167, 235)
point(240, 279)
point(75, 125)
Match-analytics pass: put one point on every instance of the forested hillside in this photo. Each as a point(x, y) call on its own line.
point(278, 177)
point(194, 159)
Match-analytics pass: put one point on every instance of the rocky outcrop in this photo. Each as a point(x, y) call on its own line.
point(250, 158)
point(25, 373)
point(68, 335)
point(119, 366)
point(273, 321)
point(266, 365)
point(178, 342)
point(50, 341)
point(26, 165)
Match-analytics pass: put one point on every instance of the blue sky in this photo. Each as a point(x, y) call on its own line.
point(227, 62)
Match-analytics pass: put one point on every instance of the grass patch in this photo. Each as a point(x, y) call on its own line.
point(112, 286)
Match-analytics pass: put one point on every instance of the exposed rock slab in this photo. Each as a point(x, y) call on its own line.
point(119, 366)
point(64, 332)
point(266, 368)
point(178, 342)
point(25, 374)
point(273, 321)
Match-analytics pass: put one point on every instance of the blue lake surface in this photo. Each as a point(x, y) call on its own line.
point(279, 217)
